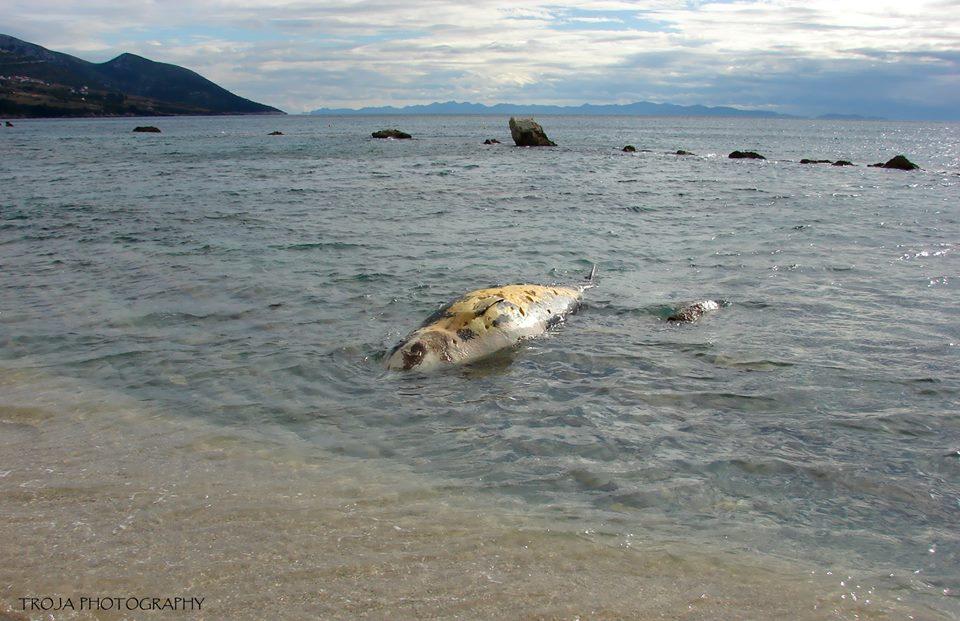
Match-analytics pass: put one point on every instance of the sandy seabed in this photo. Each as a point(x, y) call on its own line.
point(102, 496)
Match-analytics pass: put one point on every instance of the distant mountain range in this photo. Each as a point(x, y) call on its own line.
point(37, 82)
point(640, 108)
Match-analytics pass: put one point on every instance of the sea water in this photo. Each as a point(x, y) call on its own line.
point(209, 307)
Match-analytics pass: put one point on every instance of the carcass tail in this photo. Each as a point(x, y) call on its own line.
point(591, 279)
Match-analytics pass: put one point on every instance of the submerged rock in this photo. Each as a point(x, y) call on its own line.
point(528, 133)
point(8, 124)
point(899, 162)
point(682, 152)
point(147, 129)
point(396, 134)
point(491, 141)
point(691, 311)
point(749, 155)
point(277, 133)
point(837, 163)
point(629, 149)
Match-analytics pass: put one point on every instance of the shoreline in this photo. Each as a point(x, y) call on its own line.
point(121, 501)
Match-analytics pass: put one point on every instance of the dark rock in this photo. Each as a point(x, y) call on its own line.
point(843, 163)
point(528, 133)
point(692, 311)
point(396, 134)
point(749, 155)
point(278, 133)
point(491, 141)
point(682, 152)
point(629, 149)
point(815, 161)
point(147, 129)
point(899, 162)
point(8, 124)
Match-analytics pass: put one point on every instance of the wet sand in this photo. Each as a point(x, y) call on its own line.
point(101, 496)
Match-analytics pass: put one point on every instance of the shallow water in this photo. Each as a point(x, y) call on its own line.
point(214, 276)
point(118, 501)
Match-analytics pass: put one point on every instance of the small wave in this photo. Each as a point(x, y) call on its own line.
point(659, 311)
point(729, 362)
point(364, 277)
point(164, 318)
point(303, 191)
point(319, 246)
point(242, 217)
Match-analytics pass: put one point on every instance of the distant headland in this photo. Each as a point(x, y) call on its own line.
point(37, 82)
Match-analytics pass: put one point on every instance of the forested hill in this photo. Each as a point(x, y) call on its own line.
point(37, 82)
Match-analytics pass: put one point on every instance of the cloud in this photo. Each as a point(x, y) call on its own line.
point(807, 58)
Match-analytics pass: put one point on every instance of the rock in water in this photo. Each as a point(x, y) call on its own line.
point(842, 163)
point(682, 152)
point(749, 155)
point(899, 162)
point(528, 133)
point(806, 161)
point(491, 141)
point(396, 134)
point(278, 133)
point(8, 124)
point(691, 311)
point(629, 149)
point(147, 129)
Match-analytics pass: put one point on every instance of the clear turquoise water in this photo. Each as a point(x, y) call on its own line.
point(254, 281)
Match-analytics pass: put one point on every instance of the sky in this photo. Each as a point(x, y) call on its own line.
point(896, 59)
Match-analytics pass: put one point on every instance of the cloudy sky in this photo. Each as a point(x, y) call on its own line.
point(877, 57)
